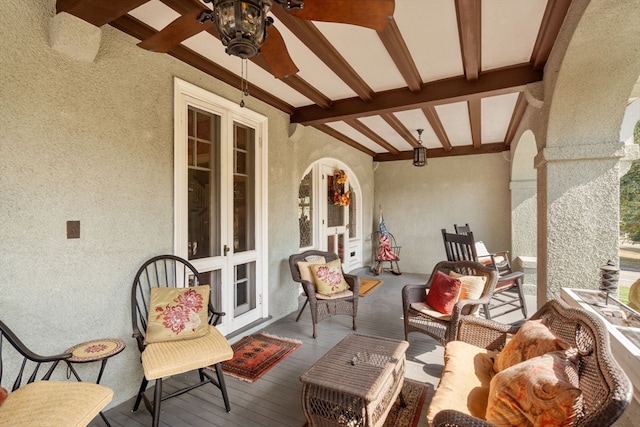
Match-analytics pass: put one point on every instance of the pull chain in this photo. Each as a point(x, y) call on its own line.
point(244, 83)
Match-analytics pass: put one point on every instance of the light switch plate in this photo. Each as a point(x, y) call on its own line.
point(73, 229)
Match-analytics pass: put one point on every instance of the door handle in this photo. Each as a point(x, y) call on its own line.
point(226, 250)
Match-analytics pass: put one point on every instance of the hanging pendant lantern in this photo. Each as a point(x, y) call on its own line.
point(242, 25)
point(419, 152)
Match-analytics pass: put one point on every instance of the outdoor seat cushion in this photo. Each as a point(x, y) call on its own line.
point(338, 295)
point(427, 310)
point(167, 358)
point(465, 382)
point(54, 404)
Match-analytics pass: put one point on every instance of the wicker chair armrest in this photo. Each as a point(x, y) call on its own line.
point(308, 289)
point(413, 293)
point(484, 333)
point(452, 418)
point(353, 282)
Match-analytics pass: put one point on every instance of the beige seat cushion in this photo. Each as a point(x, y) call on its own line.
point(427, 310)
point(174, 357)
point(465, 381)
point(54, 404)
point(343, 294)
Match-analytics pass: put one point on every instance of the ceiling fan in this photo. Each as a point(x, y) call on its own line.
point(246, 31)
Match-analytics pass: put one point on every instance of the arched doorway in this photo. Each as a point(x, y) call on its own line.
point(329, 214)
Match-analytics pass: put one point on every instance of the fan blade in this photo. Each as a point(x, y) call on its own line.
point(276, 55)
point(174, 33)
point(374, 14)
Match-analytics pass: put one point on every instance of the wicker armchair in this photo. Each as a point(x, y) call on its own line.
point(606, 389)
point(444, 328)
point(322, 307)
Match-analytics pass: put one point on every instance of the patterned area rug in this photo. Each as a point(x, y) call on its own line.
point(255, 355)
point(414, 394)
point(367, 285)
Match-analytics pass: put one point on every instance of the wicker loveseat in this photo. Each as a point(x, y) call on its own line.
point(605, 389)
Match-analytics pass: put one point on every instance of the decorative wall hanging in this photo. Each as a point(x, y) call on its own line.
point(338, 189)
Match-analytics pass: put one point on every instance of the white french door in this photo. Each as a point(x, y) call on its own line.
point(335, 218)
point(220, 200)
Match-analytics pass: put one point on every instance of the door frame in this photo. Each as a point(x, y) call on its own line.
point(186, 94)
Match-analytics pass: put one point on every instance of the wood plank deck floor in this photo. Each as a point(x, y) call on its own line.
point(275, 399)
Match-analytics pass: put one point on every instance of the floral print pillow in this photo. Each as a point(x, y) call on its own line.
point(328, 277)
point(178, 313)
point(533, 339)
point(542, 391)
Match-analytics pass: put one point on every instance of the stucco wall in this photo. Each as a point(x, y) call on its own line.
point(418, 202)
point(93, 141)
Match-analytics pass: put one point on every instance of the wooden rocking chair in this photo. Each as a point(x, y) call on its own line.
point(379, 261)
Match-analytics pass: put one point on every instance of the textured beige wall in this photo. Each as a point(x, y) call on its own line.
point(418, 202)
point(93, 141)
point(588, 78)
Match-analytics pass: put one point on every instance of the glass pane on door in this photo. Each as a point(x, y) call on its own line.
point(244, 189)
point(244, 288)
point(203, 184)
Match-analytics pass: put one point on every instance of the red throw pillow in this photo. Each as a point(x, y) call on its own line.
point(443, 293)
point(3, 395)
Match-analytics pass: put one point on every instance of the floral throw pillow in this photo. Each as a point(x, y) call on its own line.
point(178, 313)
point(443, 293)
point(533, 339)
point(328, 277)
point(542, 391)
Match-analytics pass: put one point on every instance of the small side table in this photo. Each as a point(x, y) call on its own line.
point(94, 351)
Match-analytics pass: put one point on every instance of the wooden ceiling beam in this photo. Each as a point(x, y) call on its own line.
point(97, 12)
point(397, 125)
point(366, 131)
point(432, 116)
point(552, 20)
point(516, 118)
point(475, 121)
point(139, 30)
point(497, 82)
point(397, 49)
point(313, 39)
point(463, 150)
point(468, 13)
point(344, 138)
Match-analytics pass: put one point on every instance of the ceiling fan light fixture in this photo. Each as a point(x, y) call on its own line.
point(242, 25)
point(419, 152)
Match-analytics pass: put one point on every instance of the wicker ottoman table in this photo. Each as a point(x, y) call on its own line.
point(355, 383)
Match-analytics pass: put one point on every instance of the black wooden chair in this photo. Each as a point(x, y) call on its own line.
point(322, 306)
point(461, 247)
point(163, 359)
point(34, 401)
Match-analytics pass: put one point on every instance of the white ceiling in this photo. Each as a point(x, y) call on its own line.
point(507, 36)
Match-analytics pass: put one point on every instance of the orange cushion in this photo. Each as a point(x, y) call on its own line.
point(443, 293)
point(542, 391)
point(465, 380)
point(532, 339)
point(178, 313)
